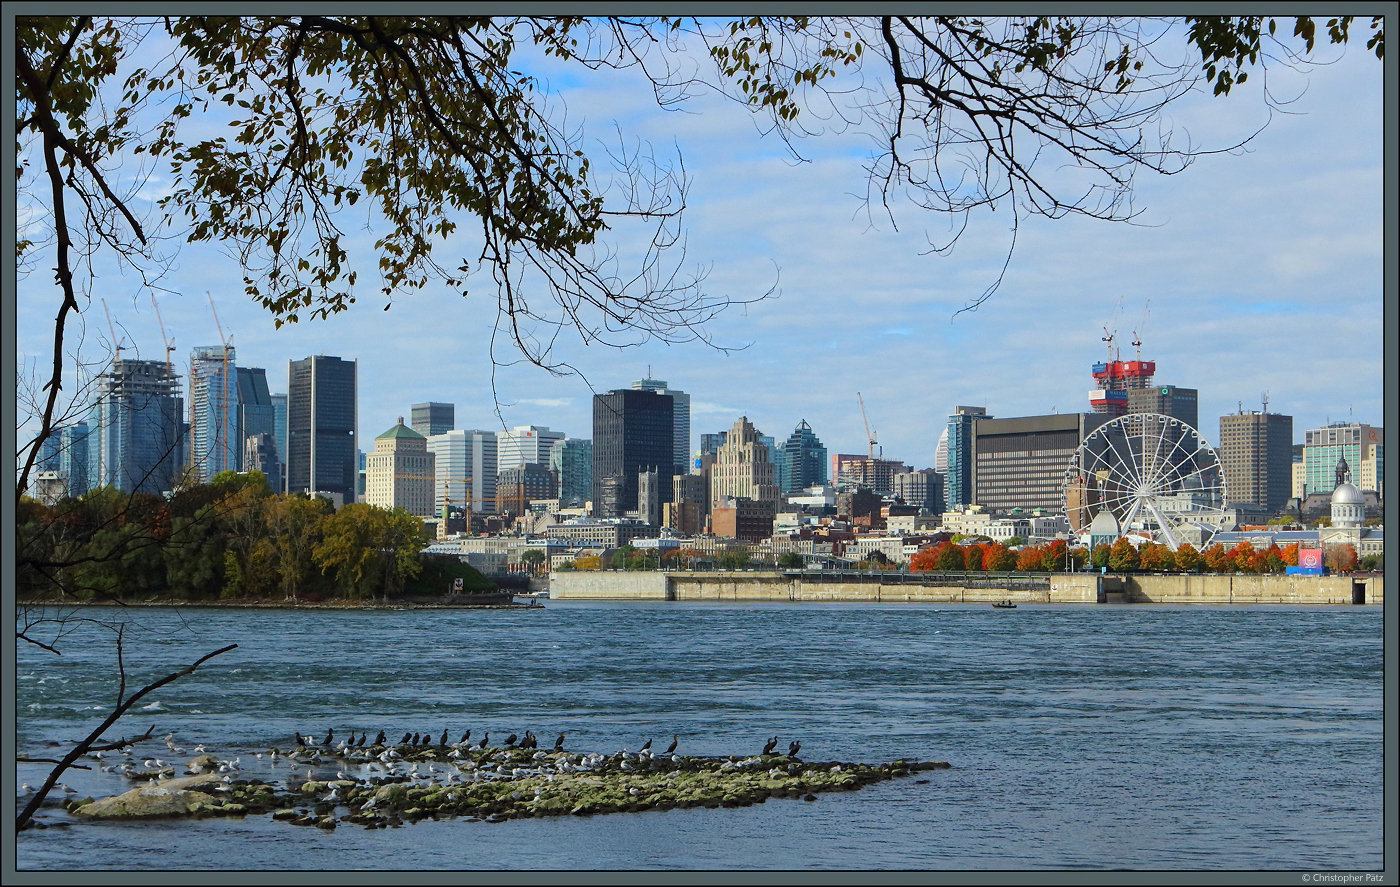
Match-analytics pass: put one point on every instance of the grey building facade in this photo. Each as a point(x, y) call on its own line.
point(322, 418)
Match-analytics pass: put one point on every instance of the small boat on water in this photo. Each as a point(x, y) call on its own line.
point(1004, 605)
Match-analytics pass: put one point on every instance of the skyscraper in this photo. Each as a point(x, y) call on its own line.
point(1165, 400)
point(1256, 456)
point(743, 468)
point(399, 473)
point(137, 428)
point(524, 444)
point(680, 418)
point(1020, 462)
point(322, 416)
point(632, 431)
point(433, 418)
point(571, 460)
point(215, 444)
point(957, 486)
point(465, 468)
point(279, 435)
point(804, 459)
point(1362, 445)
point(256, 414)
point(66, 453)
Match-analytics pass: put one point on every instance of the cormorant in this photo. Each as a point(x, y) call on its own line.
point(559, 743)
point(465, 736)
point(405, 739)
point(510, 740)
point(646, 746)
point(361, 743)
point(771, 744)
point(443, 741)
point(300, 741)
point(793, 747)
point(482, 743)
point(415, 739)
point(675, 739)
point(530, 741)
point(329, 736)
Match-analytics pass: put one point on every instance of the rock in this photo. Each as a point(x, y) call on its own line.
point(203, 764)
point(150, 802)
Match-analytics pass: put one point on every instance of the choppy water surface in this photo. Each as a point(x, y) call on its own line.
point(1093, 737)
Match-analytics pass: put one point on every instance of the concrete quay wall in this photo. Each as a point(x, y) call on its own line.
point(1058, 588)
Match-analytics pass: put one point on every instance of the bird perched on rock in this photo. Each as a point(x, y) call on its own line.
point(530, 741)
point(405, 739)
point(646, 746)
point(361, 743)
point(559, 743)
point(465, 736)
point(443, 740)
point(379, 740)
point(482, 743)
point(510, 740)
point(675, 739)
point(300, 741)
point(771, 744)
point(415, 739)
point(793, 748)
point(329, 737)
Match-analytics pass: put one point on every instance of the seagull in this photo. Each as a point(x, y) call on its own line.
point(675, 739)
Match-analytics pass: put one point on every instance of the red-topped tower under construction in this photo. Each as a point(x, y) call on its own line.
point(1114, 377)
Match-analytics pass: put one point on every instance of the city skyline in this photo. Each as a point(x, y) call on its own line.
point(1243, 275)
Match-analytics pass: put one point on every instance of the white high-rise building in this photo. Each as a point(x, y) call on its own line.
point(680, 417)
point(525, 443)
point(465, 469)
point(215, 445)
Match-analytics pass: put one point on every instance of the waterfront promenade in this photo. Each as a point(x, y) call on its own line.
point(1054, 588)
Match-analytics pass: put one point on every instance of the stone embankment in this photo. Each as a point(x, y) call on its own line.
point(400, 784)
point(937, 588)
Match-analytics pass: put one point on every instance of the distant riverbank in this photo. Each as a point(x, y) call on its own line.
point(493, 600)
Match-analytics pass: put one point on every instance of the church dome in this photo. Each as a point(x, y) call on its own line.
point(1347, 494)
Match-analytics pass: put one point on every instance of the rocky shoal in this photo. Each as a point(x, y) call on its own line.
point(394, 785)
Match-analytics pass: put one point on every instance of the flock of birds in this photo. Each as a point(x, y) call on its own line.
point(467, 762)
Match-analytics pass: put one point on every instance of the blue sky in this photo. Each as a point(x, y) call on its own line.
point(1259, 272)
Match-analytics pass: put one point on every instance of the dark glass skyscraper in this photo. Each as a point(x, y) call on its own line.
point(633, 431)
point(433, 418)
point(957, 487)
point(322, 417)
point(804, 459)
point(255, 412)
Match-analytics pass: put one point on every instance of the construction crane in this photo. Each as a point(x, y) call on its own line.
point(223, 381)
point(869, 435)
point(168, 343)
point(1137, 340)
point(117, 345)
point(1108, 336)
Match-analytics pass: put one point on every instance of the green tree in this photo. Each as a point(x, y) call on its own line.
point(791, 560)
point(950, 556)
point(1100, 556)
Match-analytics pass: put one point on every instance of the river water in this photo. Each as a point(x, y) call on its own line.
point(1080, 737)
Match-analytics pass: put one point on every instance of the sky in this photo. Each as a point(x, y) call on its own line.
point(1249, 275)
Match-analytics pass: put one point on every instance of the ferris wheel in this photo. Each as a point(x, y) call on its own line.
point(1156, 477)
